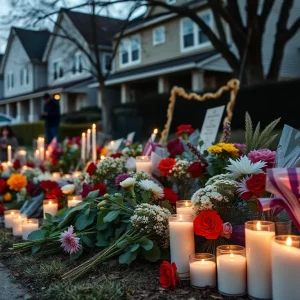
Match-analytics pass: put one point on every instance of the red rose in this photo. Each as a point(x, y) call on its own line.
point(196, 169)
point(55, 193)
point(116, 155)
point(3, 185)
point(168, 275)
point(91, 169)
point(185, 128)
point(48, 185)
point(17, 164)
point(32, 189)
point(166, 165)
point(42, 168)
point(175, 147)
point(208, 224)
point(170, 195)
point(1, 209)
point(255, 185)
point(30, 164)
point(86, 189)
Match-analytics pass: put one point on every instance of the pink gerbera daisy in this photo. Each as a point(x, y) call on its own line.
point(69, 241)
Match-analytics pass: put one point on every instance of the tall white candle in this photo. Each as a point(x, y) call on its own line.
point(232, 270)
point(94, 145)
point(42, 154)
point(88, 143)
point(144, 163)
point(8, 217)
point(258, 251)
point(74, 200)
point(37, 154)
point(202, 270)
point(182, 243)
point(40, 143)
point(17, 224)
point(47, 155)
point(50, 207)
point(9, 153)
point(184, 207)
point(286, 267)
point(83, 146)
point(153, 135)
point(29, 226)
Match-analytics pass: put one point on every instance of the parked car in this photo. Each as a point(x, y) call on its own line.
point(7, 120)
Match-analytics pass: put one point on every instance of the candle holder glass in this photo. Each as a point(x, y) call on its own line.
point(17, 221)
point(184, 207)
point(231, 270)
point(143, 163)
point(28, 226)
point(202, 270)
point(260, 225)
point(74, 200)
point(55, 175)
point(8, 215)
point(283, 227)
point(76, 174)
point(50, 207)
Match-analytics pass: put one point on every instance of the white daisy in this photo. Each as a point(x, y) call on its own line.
point(243, 166)
point(150, 186)
point(127, 183)
point(242, 186)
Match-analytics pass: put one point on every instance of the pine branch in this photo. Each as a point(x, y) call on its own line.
point(255, 136)
point(249, 131)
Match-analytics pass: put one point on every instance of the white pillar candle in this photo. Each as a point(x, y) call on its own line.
point(286, 267)
point(144, 163)
point(258, 252)
point(21, 155)
point(55, 176)
point(42, 154)
point(153, 135)
point(40, 143)
point(8, 215)
point(50, 207)
point(17, 221)
point(202, 270)
point(232, 270)
point(29, 226)
point(184, 207)
point(83, 146)
point(182, 243)
point(76, 174)
point(37, 154)
point(74, 200)
point(88, 143)
point(47, 155)
point(9, 153)
point(94, 144)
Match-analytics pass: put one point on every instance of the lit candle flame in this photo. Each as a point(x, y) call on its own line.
point(155, 131)
point(50, 202)
point(180, 218)
point(202, 261)
point(258, 226)
point(112, 143)
point(231, 255)
point(83, 134)
point(94, 126)
point(102, 157)
point(289, 241)
point(9, 147)
point(186, 204)
point(89, 131)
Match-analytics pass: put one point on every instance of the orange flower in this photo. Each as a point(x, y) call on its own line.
point(103, 151)
point(16, 182)
point(7, 197)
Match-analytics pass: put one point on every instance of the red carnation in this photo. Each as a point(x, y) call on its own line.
point(55, 193)
point(86, 189)
point(116, 155)
point(185, 128)
point(17, 164)
point(3, 185)
point(196, 169)
point(166, 165)
point(91, 169)
point(208, 224)
point(170, 195)
point(168, 275)
point(30, 164)
point(1, 209)
point(48, 185)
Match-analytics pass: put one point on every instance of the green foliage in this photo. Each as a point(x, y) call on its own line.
point(259, 140)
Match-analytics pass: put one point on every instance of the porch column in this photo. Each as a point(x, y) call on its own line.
point(197, 81)
point(63, 102)
point(125, 96)
point(20, 111)
point(34, 110)
point(163, 85)
point(8, 110)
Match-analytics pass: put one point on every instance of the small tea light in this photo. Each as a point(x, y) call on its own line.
point(4, 166)
point(29, 226)
point(184, 207)
point(76, 174)
point(8, 215)
point(55, 175)
point(17, 224)
point(50, 207)
point(202, 270)
point(144, 163)
point(74, 200)
point(67, 176)
point(23, 169)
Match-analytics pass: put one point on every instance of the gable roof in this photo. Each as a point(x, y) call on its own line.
point(33, 41)
point(106, 27)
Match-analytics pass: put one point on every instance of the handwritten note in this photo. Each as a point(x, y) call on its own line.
point(211, 126)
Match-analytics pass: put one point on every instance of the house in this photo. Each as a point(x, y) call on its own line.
point(38, 62)
point(163, 50)
point(1, 80)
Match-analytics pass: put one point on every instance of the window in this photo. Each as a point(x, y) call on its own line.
point(77, 67)
point(24, 76)
point(130, 51)
point(191, 34)
point(171, 1)
point(159, 35)
point(58, 71)
point(10, 81)
point(107, 64)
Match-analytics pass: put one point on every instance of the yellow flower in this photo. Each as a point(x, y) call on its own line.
point(7, 196)
point(224, 148)
point(16, 182)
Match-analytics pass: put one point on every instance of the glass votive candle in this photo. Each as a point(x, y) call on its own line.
point(67, 176)
point(259, 236)
point(28, 226)
point(50, 207)
point(285, 267)
point(17, 224)
point(231, 270)
point(184, 207)
point(76, 174)
point(202, 270)
point(74, 200)
point(144, 163)
point(55, 176)
point(8, 215)
point(182, 243)
point(283, 227)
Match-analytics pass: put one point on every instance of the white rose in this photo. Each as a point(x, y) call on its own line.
point(68, 189)
point(127, 183)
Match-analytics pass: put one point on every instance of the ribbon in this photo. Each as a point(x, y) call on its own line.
point(284, 184)
point(150, 147)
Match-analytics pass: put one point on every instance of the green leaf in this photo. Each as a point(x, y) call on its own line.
point(252, 205)
point(210, 169)
point(146, 196)
point(166, 204)
point(127, 257)
point(85, 239)
point(92, 195)
point(82, 222)
point(152, 255)
point(102, 227)
point(111, 216)
point(146, 243)
point(123, 244)
point(101, 241)
point(248, 131)
point(87, 212)
point(37, 235)
point(76, 255)
point(134, 247)
point(101, 215)
point(35, 248)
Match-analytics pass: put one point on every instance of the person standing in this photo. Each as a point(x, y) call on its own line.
point(7, 137)
point(51, 115)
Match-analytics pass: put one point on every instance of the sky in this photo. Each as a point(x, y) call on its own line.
point(4, 10)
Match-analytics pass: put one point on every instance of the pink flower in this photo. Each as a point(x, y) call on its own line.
point(69, 241)
point(265, 155)
point(241, 147)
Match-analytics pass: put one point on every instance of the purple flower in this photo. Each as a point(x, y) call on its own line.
point(241, 147)
point(227, 230)
point(121, 178)
point(175, 147)
point(69, 241)
point(265, 155)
